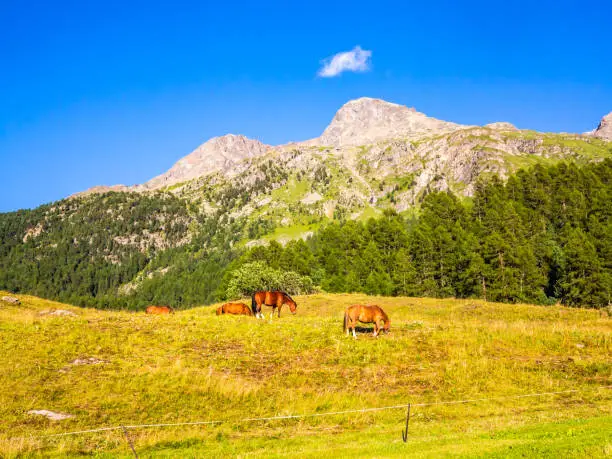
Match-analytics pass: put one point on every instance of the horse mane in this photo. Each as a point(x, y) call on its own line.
point(288, 296)
point(384, 314)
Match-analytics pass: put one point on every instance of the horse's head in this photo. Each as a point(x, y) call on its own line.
point(292, 305)
point(387, 326)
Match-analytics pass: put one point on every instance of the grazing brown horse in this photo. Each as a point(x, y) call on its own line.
point(238, 309)
point(274, 299)
point(159, 310)
point(365, 314)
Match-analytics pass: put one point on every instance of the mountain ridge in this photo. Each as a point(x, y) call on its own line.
point(360, 122)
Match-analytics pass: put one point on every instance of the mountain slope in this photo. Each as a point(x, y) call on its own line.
point(309, 184)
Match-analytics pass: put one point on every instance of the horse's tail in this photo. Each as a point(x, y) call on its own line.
point(220, 310)
point(253, 305)
point(345, 321)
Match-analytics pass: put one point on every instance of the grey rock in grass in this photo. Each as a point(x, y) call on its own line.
point(58, 313)
point(81, 362)
point(88, 361)
point(11, 300)
point(52, 415)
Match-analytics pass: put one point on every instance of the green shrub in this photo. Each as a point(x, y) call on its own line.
point(255, 276)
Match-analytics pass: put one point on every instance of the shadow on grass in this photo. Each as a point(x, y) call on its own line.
point(366, 331)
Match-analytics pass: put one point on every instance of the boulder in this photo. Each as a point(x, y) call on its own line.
point(51, 414)
point(11, 299)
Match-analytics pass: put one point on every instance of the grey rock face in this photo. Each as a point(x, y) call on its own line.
point(218, 154)
point(365, 121)
point(604, 130)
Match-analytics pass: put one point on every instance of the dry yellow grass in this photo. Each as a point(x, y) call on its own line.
point(194, 365)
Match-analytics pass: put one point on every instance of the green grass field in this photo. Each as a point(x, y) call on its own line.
point(195, 366)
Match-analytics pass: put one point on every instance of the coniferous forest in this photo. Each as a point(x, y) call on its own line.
point(543, 236)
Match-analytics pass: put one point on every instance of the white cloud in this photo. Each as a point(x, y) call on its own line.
point(356, 60)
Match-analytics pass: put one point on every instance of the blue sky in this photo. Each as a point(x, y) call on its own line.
point(105, 92)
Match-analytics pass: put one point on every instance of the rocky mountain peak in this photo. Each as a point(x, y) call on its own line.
point(501, 126)
point(366, 120)
point(217, 154)
point(604, 130)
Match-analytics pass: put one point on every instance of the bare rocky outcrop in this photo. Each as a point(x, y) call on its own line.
point(311, 198)
point(218, 154)
point(33, 232)
point(604, 130)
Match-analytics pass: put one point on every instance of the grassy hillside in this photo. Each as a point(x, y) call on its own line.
point(543, 236)
point(196, 366)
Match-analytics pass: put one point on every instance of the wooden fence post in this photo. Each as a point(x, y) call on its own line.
point(129, 440)
point(405, 432)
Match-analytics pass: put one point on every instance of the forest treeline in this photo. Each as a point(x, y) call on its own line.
point(83, 251)
point(543, 236)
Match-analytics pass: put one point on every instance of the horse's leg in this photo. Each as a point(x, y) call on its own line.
point(352, 324)
point(272, 313)
point(279, 304)
point(376, 329)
